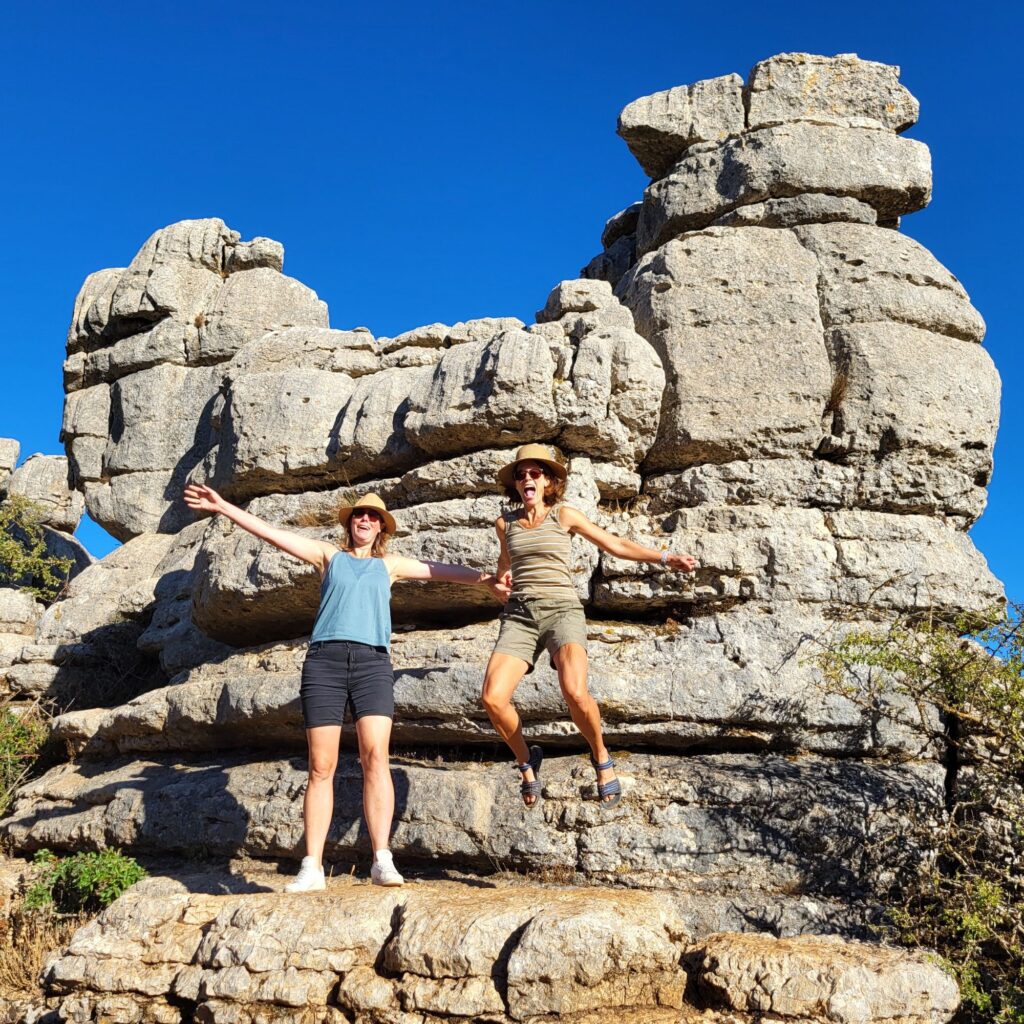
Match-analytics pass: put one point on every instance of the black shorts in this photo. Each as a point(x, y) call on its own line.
point(341, 674)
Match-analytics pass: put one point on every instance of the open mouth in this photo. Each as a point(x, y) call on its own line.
point(529, 490)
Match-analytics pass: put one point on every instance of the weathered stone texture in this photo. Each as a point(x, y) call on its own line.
point(833, 90)
point(888, 173)
point(733, 313)
point(43, 480)
point(658, 128)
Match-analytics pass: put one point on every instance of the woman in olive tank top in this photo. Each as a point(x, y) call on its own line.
point(348, 665)
point(544, 611)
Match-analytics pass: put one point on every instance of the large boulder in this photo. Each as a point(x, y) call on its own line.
point(658, 128)
point(733, 313)
point(838, 90)
point(43, 480)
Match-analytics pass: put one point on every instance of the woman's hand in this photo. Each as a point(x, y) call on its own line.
point(203, 499)
point(500, 586)
point(681, 563)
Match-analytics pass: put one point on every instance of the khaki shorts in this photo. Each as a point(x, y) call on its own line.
point(531, 624)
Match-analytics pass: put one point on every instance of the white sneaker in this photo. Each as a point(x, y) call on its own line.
point(384, 871)
point(309, 879)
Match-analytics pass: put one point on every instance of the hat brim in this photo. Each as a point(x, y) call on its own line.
point(507, 474)
point(345, 514)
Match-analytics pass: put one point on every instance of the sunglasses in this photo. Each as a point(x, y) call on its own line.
point(360, 512)
point(529, 474)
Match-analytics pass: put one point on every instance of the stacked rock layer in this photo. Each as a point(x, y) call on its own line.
point(759, 370)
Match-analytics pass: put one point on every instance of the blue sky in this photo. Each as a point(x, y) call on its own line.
point(425, 163)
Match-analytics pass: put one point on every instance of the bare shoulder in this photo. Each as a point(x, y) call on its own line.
point(570, 518)
point(500, 523)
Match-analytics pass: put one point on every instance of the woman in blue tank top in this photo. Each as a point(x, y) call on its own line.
point(348, 664)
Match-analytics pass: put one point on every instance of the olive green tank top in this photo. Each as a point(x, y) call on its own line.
point(540, 557)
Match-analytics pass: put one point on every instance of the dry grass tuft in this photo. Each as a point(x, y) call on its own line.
point(27, 938)
point(840, 385)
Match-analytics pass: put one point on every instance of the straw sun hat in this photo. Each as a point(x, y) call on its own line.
point(535, 453)
point(370, 501)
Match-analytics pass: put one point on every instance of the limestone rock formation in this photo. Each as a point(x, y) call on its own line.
point(43, 479)
point(758, 369)
point(227, 949)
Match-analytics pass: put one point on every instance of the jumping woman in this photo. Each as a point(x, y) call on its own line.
point(544, 611)
point(348, 664)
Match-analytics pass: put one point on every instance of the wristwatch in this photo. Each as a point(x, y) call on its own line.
point(664, 557)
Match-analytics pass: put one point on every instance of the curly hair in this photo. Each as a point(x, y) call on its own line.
point(554, 491)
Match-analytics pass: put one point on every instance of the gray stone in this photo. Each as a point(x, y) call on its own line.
point(904, 390)
point(19, 612)
point(234, 950)
point(475, 395)
point(903, 481)
point(9, 450)
point(733, 314)
point(260, 252)
point(851, 559)
point(842, 90)
point(872, 273)
point(658, 128)
point(707, 823)
point(309, 348)
point(621, 224)
point(84, 431)
point(740, 677)
point(890, 174)
point(160, 423)
point(250, 303)
point(167, 341)
point(811, 208)
point(824, 978)
point(176, 273)
point(609, 406)
point(279, 426)
point(43, 480)
point(579, 296)
point(612, 264)
point(617, 952)
point(62, 545)
point(92, 309)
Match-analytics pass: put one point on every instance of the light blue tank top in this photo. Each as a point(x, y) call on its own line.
point(355, 601)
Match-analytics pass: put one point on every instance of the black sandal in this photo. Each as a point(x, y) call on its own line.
point(611, 789)
point(532, 788)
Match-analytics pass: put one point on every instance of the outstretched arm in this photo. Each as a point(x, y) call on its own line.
point(206, 499)
point(402, 568)
point(504, 572)
point(576, 522)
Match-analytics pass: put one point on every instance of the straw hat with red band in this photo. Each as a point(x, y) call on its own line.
point(375, 504)
point(531, 453)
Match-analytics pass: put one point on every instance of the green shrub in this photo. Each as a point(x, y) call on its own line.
point(84, 882)
point(24, 562)
point(965, 900)
point(22, 736)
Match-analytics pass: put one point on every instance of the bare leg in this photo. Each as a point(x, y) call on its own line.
point(374, 735)
point(318, 803)
point(504, 673)
point(571, 663)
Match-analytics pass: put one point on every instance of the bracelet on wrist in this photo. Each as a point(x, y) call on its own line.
point(664, 557)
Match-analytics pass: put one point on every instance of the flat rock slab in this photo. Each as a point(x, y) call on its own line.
point(224, 948)
point(742, 680)
point(717, 823)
